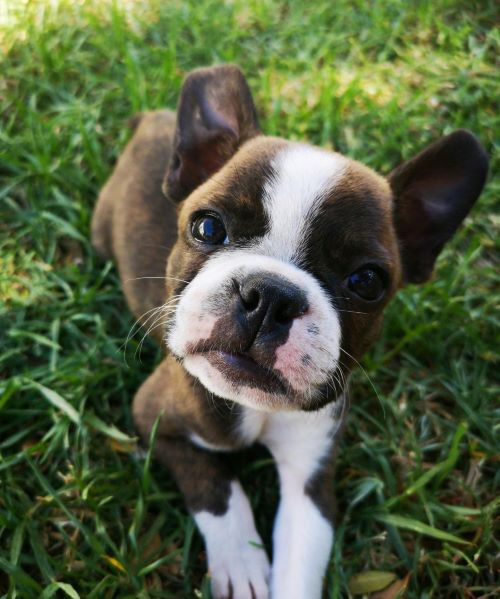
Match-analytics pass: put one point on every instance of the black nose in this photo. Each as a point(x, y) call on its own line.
point(270, 303)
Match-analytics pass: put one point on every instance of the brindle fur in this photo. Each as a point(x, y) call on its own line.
point(133, 221)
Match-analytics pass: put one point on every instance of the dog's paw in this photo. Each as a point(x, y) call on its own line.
point(237, 562)
point(240, 573)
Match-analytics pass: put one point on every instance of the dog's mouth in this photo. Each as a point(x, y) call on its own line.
point(242, 370)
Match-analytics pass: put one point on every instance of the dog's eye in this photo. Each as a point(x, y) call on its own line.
point(209, 228)
point(368, 283)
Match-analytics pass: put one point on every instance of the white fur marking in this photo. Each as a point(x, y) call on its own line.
point(300, 440)
point(199, 327)
point(252, 422)
point(232, 553)
point(302, 536)
point(304, 174)
point(302, 541)
point(200, 442)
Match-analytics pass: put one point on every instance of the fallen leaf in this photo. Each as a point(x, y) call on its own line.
point(369, 581)
point(394, 591)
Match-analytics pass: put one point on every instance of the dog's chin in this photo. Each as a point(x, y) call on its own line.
point(239, 378)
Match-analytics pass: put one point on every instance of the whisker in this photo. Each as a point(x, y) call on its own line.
point(157, 245)
point(144, 320)
point(368, 378)
point(162, 319)
point(162, 277)
point(151, 313)
point(157, 323)
point(138, 325)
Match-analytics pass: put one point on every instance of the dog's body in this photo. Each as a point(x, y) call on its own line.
point(275, 254)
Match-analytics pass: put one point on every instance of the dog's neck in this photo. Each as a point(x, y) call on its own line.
point(214, 422)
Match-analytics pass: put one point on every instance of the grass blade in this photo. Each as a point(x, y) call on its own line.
point(420, 527)
point(58, 401)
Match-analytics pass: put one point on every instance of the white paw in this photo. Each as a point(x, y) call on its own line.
point(240, 573)
point(237, 564)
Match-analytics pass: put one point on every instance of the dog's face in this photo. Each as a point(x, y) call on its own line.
point(290, 255)
point(287, 254)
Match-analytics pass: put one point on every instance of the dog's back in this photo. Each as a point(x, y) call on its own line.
point(133, 221)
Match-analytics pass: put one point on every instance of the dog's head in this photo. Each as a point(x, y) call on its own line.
point(287, 254)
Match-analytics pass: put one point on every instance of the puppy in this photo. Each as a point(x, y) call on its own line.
point(264, 267)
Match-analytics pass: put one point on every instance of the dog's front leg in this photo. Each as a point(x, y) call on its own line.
point(238, 564)
point(302, 445)
point(237, 561)
point(302, 539)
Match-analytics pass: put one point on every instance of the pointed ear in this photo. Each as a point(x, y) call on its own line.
point(215, 115)
point(433, 194)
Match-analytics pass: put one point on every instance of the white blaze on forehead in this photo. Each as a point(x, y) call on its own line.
point(293, 197)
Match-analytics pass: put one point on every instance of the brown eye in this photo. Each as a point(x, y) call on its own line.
point(209, 228)
point(367, 283)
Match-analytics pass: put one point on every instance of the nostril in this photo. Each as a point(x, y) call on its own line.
point(287, 311)
point(250, 299)
point(283, 315)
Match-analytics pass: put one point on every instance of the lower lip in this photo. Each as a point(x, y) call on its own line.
point(243, 370)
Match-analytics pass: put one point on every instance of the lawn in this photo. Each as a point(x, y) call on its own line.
point(83, 513)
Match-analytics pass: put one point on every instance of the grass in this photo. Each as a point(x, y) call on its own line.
point(82, 514)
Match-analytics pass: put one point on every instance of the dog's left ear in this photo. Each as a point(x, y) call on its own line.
point(215, 115)
point(433, 194)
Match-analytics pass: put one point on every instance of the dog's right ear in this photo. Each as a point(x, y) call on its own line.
point(215, 115)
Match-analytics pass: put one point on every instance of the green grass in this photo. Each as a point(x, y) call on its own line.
point(81, 513)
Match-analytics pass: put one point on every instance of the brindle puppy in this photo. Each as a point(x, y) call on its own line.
point(274, 262)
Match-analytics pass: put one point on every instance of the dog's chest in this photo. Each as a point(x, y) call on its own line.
point(301, 438)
